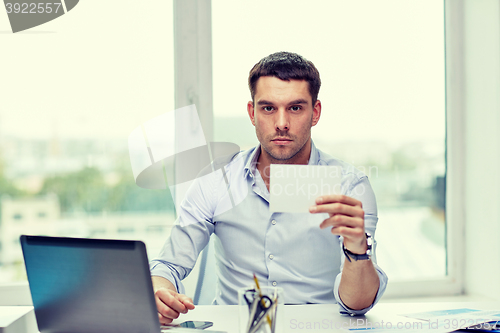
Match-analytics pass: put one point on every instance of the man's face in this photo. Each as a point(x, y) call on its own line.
point(283, 114)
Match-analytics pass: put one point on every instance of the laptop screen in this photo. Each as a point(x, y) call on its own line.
point(90, 285)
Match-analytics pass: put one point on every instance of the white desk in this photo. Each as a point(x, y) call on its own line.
point(313, 318)
point(324, 318)
point(17, 319)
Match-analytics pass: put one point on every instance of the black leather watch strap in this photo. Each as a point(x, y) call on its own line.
point(365, 256)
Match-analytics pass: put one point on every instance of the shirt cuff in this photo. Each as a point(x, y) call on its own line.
point(343, 309)
point(165, 270)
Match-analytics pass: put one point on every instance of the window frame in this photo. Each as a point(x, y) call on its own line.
point(193, 85)
point(453, 282)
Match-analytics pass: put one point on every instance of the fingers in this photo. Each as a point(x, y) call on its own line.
point(171, 304)
point(343, 210)
point(165, 313)
point(343, 221)
point(337, 204)
point(351, 229)
point(338, 208)
point(188, 302)
point(347, 219)
point(164, 320)
point(349, 234)
point(338, 198)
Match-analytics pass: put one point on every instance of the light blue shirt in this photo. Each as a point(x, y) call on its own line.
point(288, 250)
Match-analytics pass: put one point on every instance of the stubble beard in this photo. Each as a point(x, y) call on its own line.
point(282, 158)
point(281, 155)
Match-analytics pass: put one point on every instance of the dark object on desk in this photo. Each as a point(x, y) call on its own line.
point(177, 329)
point(261, 309)
point(489, 327)
point(477, 330)
point(201, 325)
point(90, 285)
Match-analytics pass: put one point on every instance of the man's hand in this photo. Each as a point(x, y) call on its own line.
point(169, 303)
point(359, 284)
point(347, 219)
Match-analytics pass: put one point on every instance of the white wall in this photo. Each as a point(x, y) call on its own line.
point(481, 99)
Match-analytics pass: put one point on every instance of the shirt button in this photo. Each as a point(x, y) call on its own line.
point(271, 257)
point(273, 222)
point(275, 283)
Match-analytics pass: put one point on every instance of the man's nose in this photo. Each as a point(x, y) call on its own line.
point(282, 121)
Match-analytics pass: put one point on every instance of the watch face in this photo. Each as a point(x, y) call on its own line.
point(369, 241)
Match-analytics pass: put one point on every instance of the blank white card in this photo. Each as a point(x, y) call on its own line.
point(294, 188)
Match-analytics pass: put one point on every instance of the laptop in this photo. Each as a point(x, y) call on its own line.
point(90, 285)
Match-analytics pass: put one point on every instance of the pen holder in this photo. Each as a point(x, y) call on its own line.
point(261, 312)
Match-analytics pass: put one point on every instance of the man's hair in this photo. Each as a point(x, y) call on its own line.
point(286, 66)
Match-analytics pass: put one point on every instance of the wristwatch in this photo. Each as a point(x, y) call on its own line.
point(366, 256)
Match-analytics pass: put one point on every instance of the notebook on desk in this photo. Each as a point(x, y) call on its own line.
point(90, 285)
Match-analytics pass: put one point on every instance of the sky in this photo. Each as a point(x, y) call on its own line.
point(107, 66)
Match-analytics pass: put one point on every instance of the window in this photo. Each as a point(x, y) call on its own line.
point(383, 95)
point(383, 105)
point(74, 88)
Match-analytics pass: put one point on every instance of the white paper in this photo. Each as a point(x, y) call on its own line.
point(455, 319)
point(294, 188)
point(440, 321)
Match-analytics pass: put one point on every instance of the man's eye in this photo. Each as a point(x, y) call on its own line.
point(295, 108)
point(268, 108)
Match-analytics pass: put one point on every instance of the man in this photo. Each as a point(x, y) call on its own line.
point(303, 253)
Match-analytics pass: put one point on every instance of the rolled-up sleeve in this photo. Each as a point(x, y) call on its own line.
point(381, 289)
point(170, 272)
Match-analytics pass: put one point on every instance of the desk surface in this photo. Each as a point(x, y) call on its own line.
point(325, 317)
point(316, 317)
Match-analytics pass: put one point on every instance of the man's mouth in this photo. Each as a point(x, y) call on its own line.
point(281, 141)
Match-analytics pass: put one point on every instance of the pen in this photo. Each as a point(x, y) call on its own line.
point(253, 309)
point(261, 300)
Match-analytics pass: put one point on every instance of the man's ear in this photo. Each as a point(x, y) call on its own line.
point(316, 112)
point(251, 112)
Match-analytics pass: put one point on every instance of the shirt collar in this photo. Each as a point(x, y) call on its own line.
point(314, 158)
point(251, 164)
